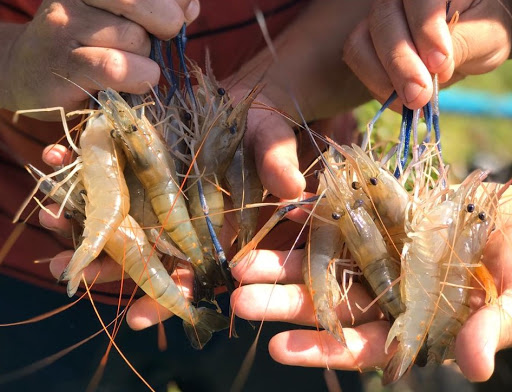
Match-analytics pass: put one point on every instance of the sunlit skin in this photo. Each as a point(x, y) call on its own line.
point(392, 44)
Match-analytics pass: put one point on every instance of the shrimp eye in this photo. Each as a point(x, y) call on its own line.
point(68, 215)
point(470, 207)
point(316, 173)
point(113, 133)
point(373, 180)
point(336, 216)
point(482, 216)
point(356, 185)
point(134, 128)
point(221, 91)
point(233, 129)
point(187, 116)
point(358, 203)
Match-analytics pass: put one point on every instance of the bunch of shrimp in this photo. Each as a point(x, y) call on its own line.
point(128, 180)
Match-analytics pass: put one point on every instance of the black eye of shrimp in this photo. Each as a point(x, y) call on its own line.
point(470, 207)
point(373, 180)
point(233, 129)
point(68, 215)
point(336, 216)
point(482, 216)
point(187, 116)
point(221, 91)
point(356, 185)
point(358, 203)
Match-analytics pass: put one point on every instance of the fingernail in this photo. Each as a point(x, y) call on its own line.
point(412, 91)
point(435, 59)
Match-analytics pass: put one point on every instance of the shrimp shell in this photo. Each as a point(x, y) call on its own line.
point(108, 200)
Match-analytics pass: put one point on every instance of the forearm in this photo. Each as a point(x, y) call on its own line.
point(310, 64)
point(9, 32)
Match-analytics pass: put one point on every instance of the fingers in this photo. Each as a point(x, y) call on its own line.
point(96, 68)
point(275, 152)
point(101, 270)
point(403, 42)
point(292, 303)
point(431, 35)
point(394, 45)
point(164, 19)
point(266, 266)
point(478, 53)
point(319, 349)
point(485, 332)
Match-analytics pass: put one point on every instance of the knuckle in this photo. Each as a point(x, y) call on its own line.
point(393, 61)
point(56, 16)
point(137, 36)
point(114, 66)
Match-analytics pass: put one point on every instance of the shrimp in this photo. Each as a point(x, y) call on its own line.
point(366, 245)
point(468, 249)
point(245, 188)
point(155, 169)
point(324, 246)
point(220, 130)
point(129, 247)
point(107, 202)
point(387, 195)
point(431, 229)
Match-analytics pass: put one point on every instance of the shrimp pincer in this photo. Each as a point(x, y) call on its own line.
point(107, 201)
point(431, 231)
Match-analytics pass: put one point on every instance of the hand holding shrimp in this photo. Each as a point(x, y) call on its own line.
point(91, 42)
point(486, 331)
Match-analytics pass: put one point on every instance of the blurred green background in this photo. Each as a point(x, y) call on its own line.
point(467, 140)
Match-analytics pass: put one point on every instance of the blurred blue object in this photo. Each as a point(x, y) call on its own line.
point(475, 103)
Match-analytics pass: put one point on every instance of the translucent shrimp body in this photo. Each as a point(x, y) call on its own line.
point(218, 130)
point(323, 248)
point(457, 272)
point(155, 169)
point(363, 238)
point(245, 188)
point(367, 248)
point(387, 195)
point(130, 248)
point(107, 201)
point(431, 230)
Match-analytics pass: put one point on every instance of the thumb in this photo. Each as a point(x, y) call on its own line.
point(481, 38)
point(275, 152)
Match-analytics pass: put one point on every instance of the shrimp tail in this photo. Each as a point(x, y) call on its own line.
point(398, 365)
point(210, 321)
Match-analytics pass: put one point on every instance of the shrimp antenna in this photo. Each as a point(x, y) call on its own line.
point(81, 88)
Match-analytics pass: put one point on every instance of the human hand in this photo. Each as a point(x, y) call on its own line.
point(401, 43)
point(93, 43)
point(487, 331)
